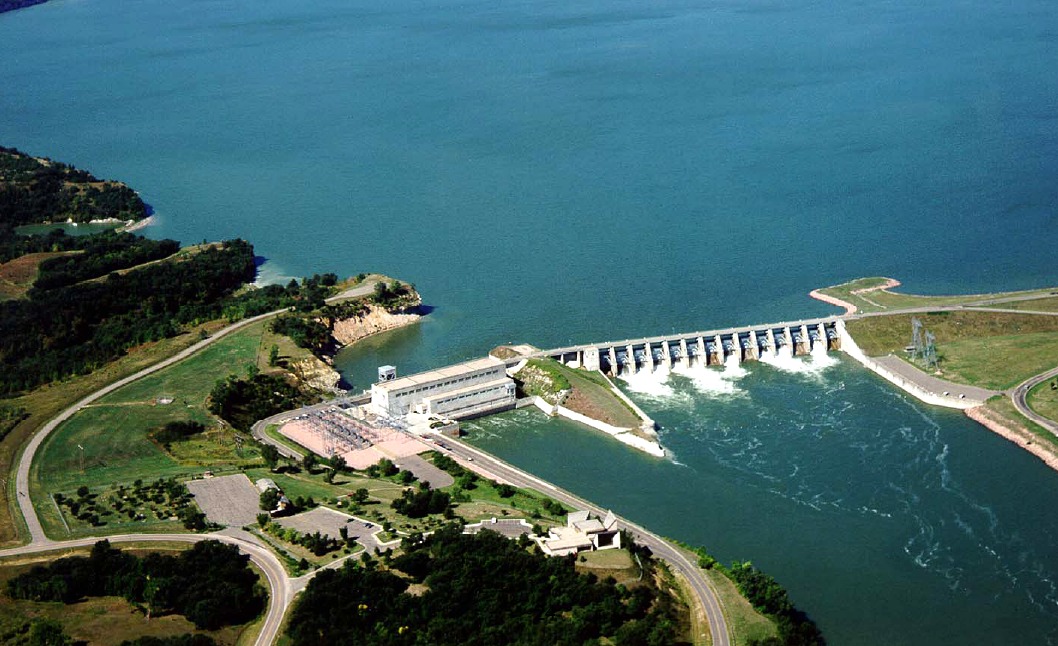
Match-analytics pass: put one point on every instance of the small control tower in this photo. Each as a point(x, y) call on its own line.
point(386, 373)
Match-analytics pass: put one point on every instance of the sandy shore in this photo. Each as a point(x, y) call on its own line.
point(820, 296)
point(849, 307)
point(1015, 433)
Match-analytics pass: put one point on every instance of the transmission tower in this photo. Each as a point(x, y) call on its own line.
point(929, 354)
point(916, 339)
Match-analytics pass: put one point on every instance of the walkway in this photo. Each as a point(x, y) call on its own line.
point(934, 385)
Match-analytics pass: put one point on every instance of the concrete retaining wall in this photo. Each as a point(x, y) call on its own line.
point(849, 347)
point(622, 435)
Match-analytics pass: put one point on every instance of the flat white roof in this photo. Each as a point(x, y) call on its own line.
point(441, 374)
point(469, 389)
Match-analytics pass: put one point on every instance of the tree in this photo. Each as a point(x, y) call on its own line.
point(269, 499)
point(47, 632)
point(309, 461)
point(505, 490)
point(360, 495)
point(262, 519)
point(337, 462)
point(273, 356)
point(270, 455)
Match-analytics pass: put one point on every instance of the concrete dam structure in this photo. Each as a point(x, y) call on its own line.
point(710, 348)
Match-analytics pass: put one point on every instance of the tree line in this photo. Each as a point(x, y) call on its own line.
point(32, 192)
point(101, 254)
point(210, 584)
point(479, 590)
point(77, 328)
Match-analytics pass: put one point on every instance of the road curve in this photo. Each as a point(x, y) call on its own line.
point(475, 459)
point(1020, 393)
point(280, 592)
point(25, 501)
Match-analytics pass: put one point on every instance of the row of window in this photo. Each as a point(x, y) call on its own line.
point(477, 377)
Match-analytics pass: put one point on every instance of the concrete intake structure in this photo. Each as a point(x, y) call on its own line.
point(711, 348)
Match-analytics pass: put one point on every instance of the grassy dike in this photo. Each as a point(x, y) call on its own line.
point(868, 295)
point(990, 349)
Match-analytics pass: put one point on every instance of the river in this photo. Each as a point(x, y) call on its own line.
point(549, 172)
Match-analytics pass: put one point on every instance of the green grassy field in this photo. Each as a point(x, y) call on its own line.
point(989, 349)
point(114, 431)
point(48, 401)
point(882, 300)
point(1044, 399)
point(746, 624)
point(1049, 304)
point(107, 621)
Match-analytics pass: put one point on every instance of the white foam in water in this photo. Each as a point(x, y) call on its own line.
point(733, 368)
point(714, 381)
point(649, 383)
point(815, 363)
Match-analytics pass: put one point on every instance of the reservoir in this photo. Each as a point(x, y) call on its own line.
point(554, 173)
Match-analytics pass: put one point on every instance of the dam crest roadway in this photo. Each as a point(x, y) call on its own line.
point(708, 348)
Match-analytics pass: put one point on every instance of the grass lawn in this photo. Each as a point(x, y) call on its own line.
point(745, 623)
point(990, 349)
point(1049, 304)
point(102, 620)
point(485, 500)
point(882, 300)
point(190, 381)
point(1044, 399)
point(48, 401)
point(592, 396)
point(114, 431)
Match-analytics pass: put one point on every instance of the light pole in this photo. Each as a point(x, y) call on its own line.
point(82, 458)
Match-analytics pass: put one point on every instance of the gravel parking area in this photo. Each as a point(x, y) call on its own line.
point(425, 471)
point(228, 500)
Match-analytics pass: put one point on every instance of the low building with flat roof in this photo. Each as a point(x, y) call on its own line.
point(582, 533)
point(457, 391)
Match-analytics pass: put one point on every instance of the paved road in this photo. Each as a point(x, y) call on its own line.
point(281, 590)
point(477, 459)
point(25, 503)
point(1019, 394)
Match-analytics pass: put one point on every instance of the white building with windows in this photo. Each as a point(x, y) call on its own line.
point(462, 390)
point(582, 533)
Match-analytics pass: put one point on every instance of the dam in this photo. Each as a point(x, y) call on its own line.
point(709, 348)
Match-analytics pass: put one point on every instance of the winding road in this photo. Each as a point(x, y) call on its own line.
point(283, 588)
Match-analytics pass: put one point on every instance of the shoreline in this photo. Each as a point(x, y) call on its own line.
point(851, 309)
point(1022, 437)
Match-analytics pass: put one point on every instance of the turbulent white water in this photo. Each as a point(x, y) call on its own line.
point(720, 382)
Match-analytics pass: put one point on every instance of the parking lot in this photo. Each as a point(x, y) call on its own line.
point(227, 500)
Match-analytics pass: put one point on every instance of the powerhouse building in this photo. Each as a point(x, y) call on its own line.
point(458, 391)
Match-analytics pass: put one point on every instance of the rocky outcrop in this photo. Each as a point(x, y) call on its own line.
point(316, 374)
point(372, 320)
